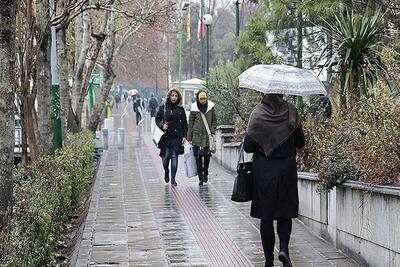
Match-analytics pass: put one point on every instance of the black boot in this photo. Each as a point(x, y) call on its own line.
point(173, 182)
point(284, 255)
point(166, 177)
point(269, 263)
point(199, 163)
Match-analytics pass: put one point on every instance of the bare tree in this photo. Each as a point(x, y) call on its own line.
point(43, 78)
point(25, 69)
point(7, 91)
point(152, 13)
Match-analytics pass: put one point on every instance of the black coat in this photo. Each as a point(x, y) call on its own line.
point(152, 108)
point(275, 193)
point(177, 127)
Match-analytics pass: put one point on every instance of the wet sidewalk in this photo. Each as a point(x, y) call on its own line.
point(135, 219)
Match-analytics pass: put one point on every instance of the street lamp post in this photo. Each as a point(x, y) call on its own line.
point(180, 37)
point(237, 3)
point(207, 19)
point(235, 56)
point(55, 86)
point(184, 7)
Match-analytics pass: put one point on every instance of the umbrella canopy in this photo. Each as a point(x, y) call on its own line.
point(281, 79)
point(133, 92)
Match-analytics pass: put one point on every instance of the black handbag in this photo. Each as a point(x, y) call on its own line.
point(243, 187)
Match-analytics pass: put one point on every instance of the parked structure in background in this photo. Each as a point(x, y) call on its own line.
point(189, 89)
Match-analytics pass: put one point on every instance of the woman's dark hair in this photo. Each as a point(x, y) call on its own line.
point(170, 91)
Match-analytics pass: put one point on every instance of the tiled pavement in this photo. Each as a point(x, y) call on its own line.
point(135, 219)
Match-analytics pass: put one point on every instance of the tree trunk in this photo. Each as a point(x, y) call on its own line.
point(109, 76)
point(43, 79)
point(7, 92)
point(85, 84)
point(29, 125)
point(26, 55)
point(84, 31)
point(108, 73)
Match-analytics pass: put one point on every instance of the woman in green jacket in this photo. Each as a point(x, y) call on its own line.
point(197, 133)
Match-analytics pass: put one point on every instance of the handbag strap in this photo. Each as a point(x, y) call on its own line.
point(205, 123)
point(241, 154)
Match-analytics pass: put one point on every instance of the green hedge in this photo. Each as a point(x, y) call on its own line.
point(46, 194)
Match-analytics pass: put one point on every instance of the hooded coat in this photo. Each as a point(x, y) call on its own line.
point(197, 132)
point(273, 135)
point(174, 115)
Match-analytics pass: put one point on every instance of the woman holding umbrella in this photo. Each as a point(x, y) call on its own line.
point(273, 134)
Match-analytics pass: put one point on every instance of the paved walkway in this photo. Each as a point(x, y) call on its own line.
point(135, 219)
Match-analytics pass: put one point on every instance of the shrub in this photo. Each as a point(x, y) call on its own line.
point(361, 143)
point(231, 101)
point(46, 193)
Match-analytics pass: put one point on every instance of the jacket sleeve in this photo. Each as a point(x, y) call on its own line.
point(184, 123)
point(190, 128)
point(213, 121)
point(249, 145)
point(160, 117)
point(299, 139)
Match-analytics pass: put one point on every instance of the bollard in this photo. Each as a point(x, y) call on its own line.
point(111, 124)
point(106, 123)
point(121, 138)
point(104, 133)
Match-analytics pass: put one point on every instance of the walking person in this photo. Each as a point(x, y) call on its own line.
point(153, 105)
point(171, 118)
point(138, 107)
point(273, 134)
point(117, 100)
point(198, 134)
point(152, 109)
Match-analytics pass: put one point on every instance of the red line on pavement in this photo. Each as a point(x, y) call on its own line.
point(213, 240)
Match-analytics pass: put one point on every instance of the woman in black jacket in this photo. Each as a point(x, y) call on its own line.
point(273, 134)
point(171, 118)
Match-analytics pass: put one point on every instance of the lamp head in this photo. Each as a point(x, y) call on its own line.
point(207, 19)
point(185, 5)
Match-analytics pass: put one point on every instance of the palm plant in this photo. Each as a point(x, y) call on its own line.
point(356, 43)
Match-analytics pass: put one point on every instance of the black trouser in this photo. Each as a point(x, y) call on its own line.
point(284, 229)
point(138, 117)
point(203, 162)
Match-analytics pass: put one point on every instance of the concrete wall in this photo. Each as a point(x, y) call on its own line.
point(361, 220)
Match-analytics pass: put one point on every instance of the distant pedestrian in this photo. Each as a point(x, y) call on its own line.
point(138, 107)
point(171, 118)
point(273, 134)
point(152, 109)
point(117, 100)
point(198, 135)
point(153, 105)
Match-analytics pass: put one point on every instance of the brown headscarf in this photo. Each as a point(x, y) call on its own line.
point(272, 122)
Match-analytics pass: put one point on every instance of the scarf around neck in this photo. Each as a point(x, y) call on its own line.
point(272, 122)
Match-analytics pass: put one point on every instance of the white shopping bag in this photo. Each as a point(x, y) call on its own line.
point(157, 135)
point(190, 162)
